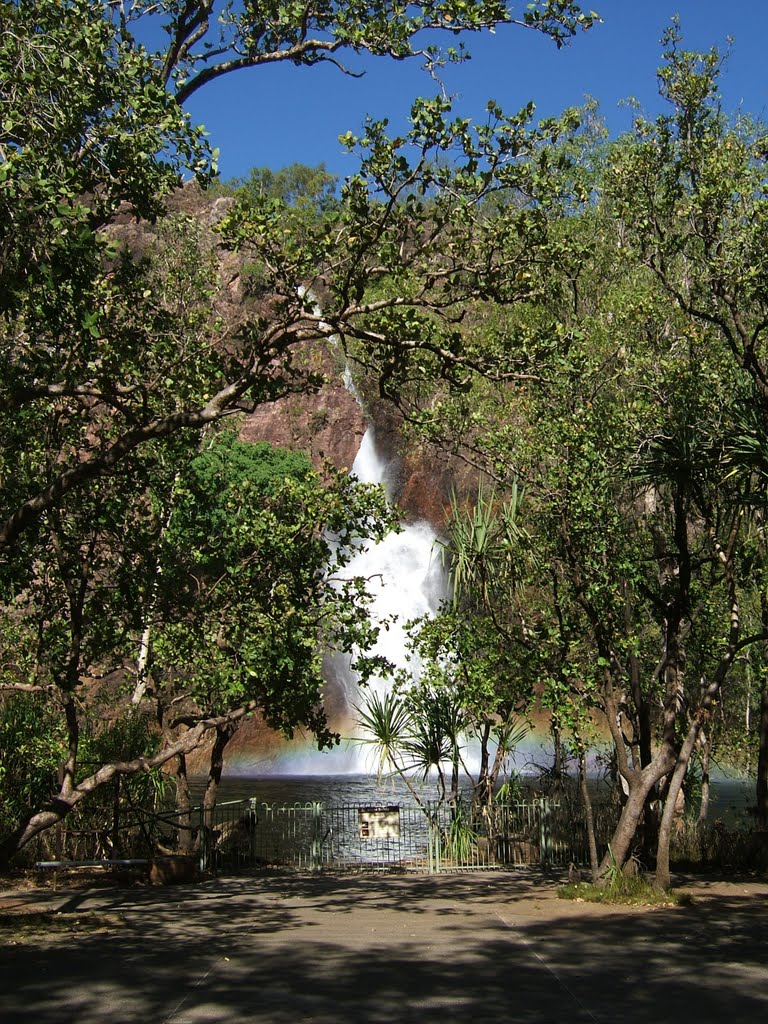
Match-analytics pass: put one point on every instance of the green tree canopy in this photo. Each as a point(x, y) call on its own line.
point(113, 363)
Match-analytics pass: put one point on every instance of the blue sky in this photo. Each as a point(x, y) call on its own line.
point(277, 115)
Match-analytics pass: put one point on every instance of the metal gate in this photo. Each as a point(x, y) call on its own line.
point(249, 835)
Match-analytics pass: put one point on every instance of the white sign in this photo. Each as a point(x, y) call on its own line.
point(379, 822)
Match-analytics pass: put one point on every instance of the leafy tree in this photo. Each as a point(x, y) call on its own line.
point(310, 190)
point(482, 644)
point(471, 677)
point(472, 681)
point(31, 750)
point(621, 421)
point(101, 323)
point(695, 216)
point(238, 591)
point(113, 365)
point(253, 593)
point(211, 38)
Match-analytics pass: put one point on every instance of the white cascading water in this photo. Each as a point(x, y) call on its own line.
point(405, 579)
point(403, 570)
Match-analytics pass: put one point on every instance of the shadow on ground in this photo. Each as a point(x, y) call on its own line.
point(393, 949)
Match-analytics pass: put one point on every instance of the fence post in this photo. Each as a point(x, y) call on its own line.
point(205, 850)
point(543, 805)
point(317, 832)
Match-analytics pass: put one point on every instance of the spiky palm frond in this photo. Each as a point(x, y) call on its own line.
point(483, 543)
point(510, 733)
point(388, 721)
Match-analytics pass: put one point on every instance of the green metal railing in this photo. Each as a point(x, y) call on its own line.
point(249, 835)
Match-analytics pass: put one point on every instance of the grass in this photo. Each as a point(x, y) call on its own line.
point(633, 891)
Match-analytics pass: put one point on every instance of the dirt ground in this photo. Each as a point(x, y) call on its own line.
point(37, 908)
point(492, 946)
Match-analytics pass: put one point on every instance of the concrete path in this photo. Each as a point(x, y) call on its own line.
point(489, 947)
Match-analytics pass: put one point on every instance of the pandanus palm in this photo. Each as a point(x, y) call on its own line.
point(413, 735)
point(483, 547)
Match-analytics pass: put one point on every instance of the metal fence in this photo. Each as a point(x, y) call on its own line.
point(248, 835)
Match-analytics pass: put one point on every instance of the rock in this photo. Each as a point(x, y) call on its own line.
point(326, 425)
point(173, 870)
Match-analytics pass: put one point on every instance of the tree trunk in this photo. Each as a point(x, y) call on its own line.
point(499, 759)
point(706, 750)
point(454, 797)
point(643, 747)
point(663, 876)
point(145, 641)
point(557, 763)
point(589, 817)
point(187, 842)
point(484, 784)
point(70, 796)
point(710, 694)
point(640, 785)
point(224, 734)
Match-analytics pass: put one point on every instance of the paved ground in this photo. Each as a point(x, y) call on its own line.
point(481, 948)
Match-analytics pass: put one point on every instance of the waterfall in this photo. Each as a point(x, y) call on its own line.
point(403, 570)
point(405, 579)
point(404, 574)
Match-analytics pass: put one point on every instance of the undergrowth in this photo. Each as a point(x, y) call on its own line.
point(633, 891)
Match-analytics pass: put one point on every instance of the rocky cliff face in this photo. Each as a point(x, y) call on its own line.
point(330, 425)
point(327, 425)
